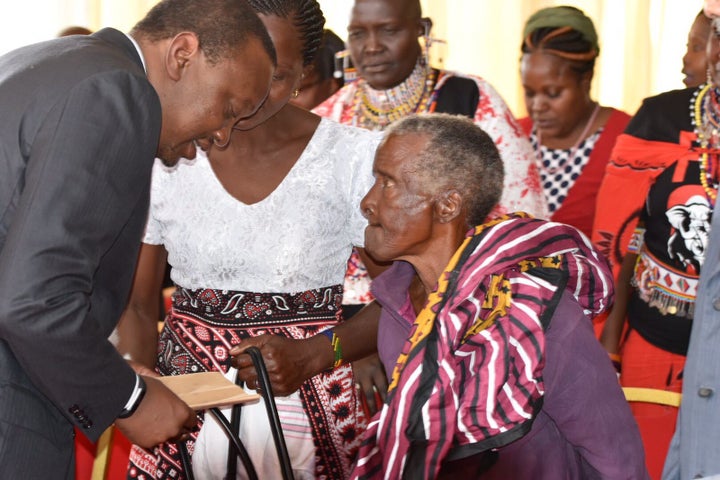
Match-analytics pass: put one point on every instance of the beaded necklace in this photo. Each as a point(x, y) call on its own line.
point(376, 109)
point(706, 122)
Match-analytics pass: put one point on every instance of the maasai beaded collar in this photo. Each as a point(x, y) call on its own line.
point(705, 118)
point(376, 109)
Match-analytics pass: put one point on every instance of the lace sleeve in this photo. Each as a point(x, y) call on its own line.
point(152, 227)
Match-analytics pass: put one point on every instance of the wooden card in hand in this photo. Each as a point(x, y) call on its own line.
point(207, 390)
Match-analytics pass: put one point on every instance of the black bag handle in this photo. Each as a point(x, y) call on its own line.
point(273, 418)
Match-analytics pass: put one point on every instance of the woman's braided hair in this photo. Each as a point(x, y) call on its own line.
point(571, 43)
point(308, 18)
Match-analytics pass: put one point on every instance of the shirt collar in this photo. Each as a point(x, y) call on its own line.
point(139, 51)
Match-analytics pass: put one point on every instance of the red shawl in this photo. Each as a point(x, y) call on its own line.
point(578, 208)
point(633, 167)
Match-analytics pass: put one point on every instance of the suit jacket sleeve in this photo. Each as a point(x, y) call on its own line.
point(67, 263)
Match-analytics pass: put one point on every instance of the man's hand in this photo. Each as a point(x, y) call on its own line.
point(161, 416)
point(289, 362)
point(141, 369)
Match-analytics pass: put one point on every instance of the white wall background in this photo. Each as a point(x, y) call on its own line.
point(641, 41)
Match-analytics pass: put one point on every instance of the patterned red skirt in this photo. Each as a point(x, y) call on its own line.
point(201, 328)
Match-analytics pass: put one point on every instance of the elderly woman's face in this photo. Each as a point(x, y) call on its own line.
point(398, 207)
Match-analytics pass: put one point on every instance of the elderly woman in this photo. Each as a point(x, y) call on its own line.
point(493, 365)
point(483, 329)
point(387, 42)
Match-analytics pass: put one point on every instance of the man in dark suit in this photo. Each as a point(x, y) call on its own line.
point(83, 118)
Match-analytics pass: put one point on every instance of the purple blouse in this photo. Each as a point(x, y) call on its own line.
point(585, 429)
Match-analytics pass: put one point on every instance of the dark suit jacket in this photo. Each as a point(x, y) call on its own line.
point(79, 132)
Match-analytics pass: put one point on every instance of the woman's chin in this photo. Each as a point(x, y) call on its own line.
point(376, 254)
point(377, 246)
point(375, 251)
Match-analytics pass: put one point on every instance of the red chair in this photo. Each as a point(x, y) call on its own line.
point(105, 460)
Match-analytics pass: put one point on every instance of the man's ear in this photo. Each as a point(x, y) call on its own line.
point(448, 206)
point(183, 48)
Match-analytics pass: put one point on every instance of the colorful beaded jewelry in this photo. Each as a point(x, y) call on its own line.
point(707, 128)
point(376, 109)
point(637, 240)
point(337, 348)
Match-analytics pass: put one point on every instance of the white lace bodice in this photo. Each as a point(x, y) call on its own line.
point(297, 238)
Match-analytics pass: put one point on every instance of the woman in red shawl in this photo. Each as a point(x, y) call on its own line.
point(660, 190)
point(571, 133)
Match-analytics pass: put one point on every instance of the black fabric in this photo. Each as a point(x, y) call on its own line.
point(459, 96)
point(662, 117)
point(351, 309)
point(661, 238)
point(557, 277)
point(668, 332)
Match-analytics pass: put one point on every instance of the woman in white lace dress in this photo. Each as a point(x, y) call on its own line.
point(258, 234)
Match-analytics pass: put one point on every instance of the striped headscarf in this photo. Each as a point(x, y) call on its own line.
point(469, 378)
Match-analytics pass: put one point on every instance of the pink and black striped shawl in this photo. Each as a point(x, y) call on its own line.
point(469, 378)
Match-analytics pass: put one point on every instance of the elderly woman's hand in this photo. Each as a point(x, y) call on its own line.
point(371, 381)
point(289, 362)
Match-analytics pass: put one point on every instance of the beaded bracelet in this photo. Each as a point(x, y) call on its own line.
point(636, 240)
point(337, 349)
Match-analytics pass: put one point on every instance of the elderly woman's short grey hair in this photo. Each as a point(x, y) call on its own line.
point(459, 156)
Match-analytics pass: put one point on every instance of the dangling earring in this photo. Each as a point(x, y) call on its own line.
point(708, 76)
point(343, 67)
point(338, 73)
point(425, 54)
point(296, 92)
